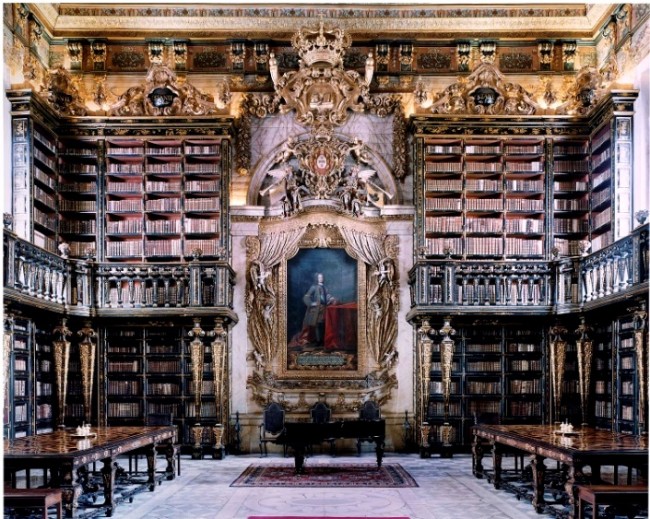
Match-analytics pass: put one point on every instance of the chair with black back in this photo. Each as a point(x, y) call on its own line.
point(321, 413)
point(370, 410)
point(271, 427)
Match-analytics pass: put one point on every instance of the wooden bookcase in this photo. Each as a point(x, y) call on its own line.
point(626, 417)
point(523, 190)
point(497, 369)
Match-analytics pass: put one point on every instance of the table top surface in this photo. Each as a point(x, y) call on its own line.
point(583, 440)
point(64, 442)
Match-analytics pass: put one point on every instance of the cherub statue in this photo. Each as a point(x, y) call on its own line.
point(292, 200)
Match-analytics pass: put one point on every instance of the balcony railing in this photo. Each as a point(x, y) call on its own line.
point(80, 285)
point(559, 286)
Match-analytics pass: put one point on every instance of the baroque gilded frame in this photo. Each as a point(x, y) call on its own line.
point(314, 373)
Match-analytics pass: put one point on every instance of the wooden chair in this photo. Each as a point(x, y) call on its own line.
point(370, 410)
point(321, 413)
point(41, 498)
point(271, 427)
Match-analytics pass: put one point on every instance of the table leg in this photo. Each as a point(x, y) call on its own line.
point(497, 456)
point(170, 455)
point(299, 458)
point(477, 457)
point(539, 470)
point(70, 487)
point(379, 450)
point(108, 477)
point(570, 490)
point(151, 466)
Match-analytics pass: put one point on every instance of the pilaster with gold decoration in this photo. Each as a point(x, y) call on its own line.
point(585, 351)
point(61, 354)
point(87, 353)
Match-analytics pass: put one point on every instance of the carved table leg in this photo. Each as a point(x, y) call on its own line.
point(108, 476)
point(170, 455)
point(379, 450)
point(477, 457)
point(568, 487)
point(70, 487)
point(151, 466)
point(497, 456)
point(539, 470)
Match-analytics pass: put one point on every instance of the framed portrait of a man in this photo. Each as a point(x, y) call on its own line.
point(324, 314)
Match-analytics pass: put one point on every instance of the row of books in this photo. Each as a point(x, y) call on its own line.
point(529, 386)
point(45, 160)
point(483, 387)
point(602, 218)
point(567, 225)
point(601, 178)
point(44, 178)
point(602, 409)
point(47, 142)
point(46, 220)
point(525, 365)
point(43, 388)
point(124, 387)
point(78, 226)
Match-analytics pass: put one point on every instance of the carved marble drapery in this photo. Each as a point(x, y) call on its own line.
point(365, 241)
point(558, 356)
point(61, 354)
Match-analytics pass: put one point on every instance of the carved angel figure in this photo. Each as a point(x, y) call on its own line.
point(292, 200)
point(385, 271)
point(259, 275)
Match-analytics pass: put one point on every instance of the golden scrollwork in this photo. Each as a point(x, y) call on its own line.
point(584, 93)
point(585, 349)
point(485, 91)
point(61, 354)
point(197, 359)
point(62, 93)
point(425, 344)
point(163, 94)
point(87, 352)
point(640, 346)
point(446, 361)
point(558, 356)
point(219, 367)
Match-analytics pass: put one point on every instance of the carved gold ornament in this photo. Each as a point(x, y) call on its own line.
point(584, 93)
point(585, 349)
point(87, 352)
point(425, 343)
point(446, 361)
point(197, 360)
point(61, 354)
point(163, 94)
point(62, 93)
point(640, 321)
point(321, 92)
point(558, 356)
point(486, 91)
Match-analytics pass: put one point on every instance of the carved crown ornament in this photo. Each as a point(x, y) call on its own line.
point(322, 94)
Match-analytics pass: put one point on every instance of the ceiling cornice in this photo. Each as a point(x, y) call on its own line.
point(280, 21)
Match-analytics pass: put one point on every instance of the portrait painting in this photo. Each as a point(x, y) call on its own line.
point(322, 316)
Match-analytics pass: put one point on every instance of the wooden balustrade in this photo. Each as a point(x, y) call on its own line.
point(81, 285)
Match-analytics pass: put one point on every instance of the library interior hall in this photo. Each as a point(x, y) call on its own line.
point(325, 260)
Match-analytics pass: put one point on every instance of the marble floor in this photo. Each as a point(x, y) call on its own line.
point(447, 490)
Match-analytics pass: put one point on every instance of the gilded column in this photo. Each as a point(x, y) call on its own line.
point(197, 359)
point(87, 352)
point(424, 347)
point(446, 360)
point(61, 354)
point(585, 351)
point(640, 323)
point(219, 356)
point(558, 356)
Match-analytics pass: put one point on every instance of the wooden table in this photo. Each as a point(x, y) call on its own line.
point(588, 447)
point(66, 457)
point(300, 434)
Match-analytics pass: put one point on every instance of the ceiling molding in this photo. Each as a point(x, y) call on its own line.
point(417, 22)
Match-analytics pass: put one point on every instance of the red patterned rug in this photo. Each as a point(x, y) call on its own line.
point(391, 475)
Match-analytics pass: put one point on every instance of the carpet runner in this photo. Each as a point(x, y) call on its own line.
point(391, 475)
point(315, 517)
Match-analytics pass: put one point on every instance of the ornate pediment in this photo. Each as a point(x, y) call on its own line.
point(584, 93)
point(164, 94)
point(485, 91)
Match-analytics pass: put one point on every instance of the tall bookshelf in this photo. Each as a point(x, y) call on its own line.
point(149, 371)
point(44, 390)
point(34, 170)
point(603, 375)
point(626, 415)
point(497, 370)
point(78, 192)
point(518, 190)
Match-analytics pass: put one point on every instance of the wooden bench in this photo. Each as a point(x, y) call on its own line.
point(34, 498)
point(597, 495)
